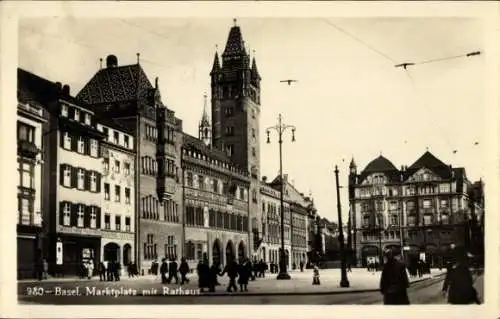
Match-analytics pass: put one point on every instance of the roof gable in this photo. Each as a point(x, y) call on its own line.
point(427, 160)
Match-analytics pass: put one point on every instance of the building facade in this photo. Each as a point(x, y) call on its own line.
point(118, 193)
point(72, 166)
point(30, 122)
point(215, 200)
point(125, 94)
point(269, 249)
point(297, 210)
point(424, 208)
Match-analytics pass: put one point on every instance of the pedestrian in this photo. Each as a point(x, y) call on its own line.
point(212, 277)
point(90, 269)
point(163, 271)
point(172, 271)
point(101, 269)
point(203, 275)
point(45, 269)
point(232, 272)
point(244, 272)
point(394, 281)
point(458, 283)
point(301, 266)
point(316, 275)
point(184, 270)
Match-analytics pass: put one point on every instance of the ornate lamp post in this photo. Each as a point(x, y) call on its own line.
point(344, 282)
point(280, 128)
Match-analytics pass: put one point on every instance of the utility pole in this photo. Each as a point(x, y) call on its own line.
point(344, 282)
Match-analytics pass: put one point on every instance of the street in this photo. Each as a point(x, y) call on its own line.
point(423, 292)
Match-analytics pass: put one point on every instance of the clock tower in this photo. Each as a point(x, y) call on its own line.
point(236, 112)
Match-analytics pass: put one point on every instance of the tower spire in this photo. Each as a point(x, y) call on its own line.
point(205, 129)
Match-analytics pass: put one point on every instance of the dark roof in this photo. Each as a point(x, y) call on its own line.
point(216, 65)
point(255, 71)
point(193, 143)
point(33, 88)
point(116, 83)
point(431, 162)
point(381, 165)
point(428, 160)
point(235, 44)
point(112, 123)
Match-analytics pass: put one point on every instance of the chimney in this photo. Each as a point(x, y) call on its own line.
point(59, 86)
point(65, 90)
point(285, 178)
point(111, 61)
point(264, 178)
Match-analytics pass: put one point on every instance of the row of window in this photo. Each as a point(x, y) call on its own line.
point(151, 209)
point(117, 193)
point(80, 178)
point(394, 220)
point(409, 190)
point(217, 219)
point(214, 185)
point(150, 248)
point(84, 216)
point(26, 212)
point(153, 134)
point(118, 223)
point(80, 144)
point(410, 205)
point(26, 171)
point(76, 114)
point(116, 166)
point(79, 215)
point(116, 137)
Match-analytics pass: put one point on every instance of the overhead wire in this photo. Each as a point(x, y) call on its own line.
point(405, 65)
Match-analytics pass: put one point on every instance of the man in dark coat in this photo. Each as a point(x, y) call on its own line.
point(244, 273)
point(394, 281)
point(172, 271)
point(213, 272)
point(458, 282)
point(232, 272)
point(163, 271)
point(184, 270)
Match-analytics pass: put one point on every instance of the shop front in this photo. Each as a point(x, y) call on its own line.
point(77, 250)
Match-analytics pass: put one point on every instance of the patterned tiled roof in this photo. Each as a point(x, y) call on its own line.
point(113, 84)
point(235, 44)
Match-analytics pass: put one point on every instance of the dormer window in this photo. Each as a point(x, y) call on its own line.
point(77, 115)
point(126, 141)
point(116, 137)
point(64, 110)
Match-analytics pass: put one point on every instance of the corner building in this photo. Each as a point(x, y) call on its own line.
point(125, 94)
point(426, 208)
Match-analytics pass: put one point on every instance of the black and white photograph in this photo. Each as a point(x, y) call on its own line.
point(243, 159)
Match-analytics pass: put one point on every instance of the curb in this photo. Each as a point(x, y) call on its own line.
point(263, 294)
point(294, 293)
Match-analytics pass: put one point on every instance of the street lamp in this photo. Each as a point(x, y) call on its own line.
point(344, 282)
point(280, 128)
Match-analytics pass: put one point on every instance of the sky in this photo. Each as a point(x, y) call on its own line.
point(349, 101)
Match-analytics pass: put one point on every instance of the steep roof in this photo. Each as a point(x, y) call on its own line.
point(235, 44)
point(431, 162)
point(116, 83)
point(216, 65)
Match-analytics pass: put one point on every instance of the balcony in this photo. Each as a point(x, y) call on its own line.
point(27, 149)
